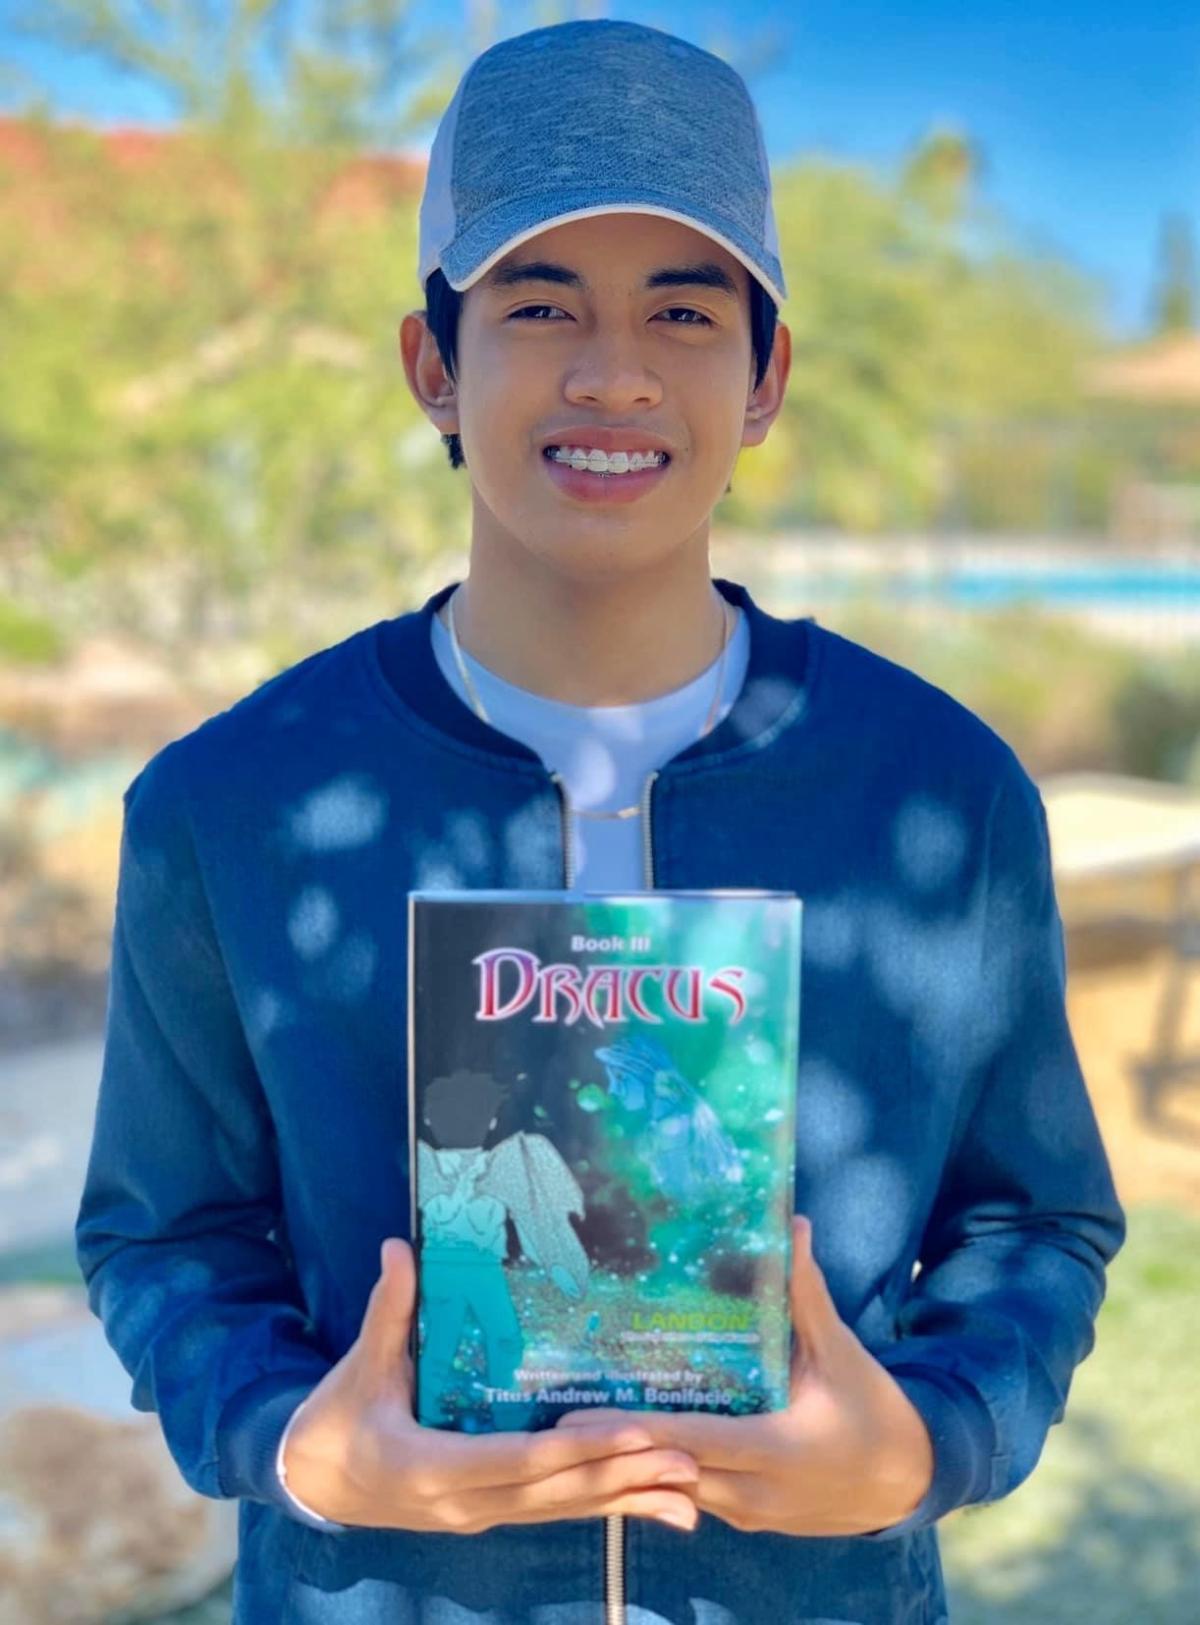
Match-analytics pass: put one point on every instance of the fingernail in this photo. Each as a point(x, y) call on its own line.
point(678, 1475)
point(677, 1520)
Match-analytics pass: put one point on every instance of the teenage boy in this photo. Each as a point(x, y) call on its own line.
point(589, 707)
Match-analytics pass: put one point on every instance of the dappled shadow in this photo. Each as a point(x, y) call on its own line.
point(1129, 1549)
point(1128, 1553)
point(942, 1118)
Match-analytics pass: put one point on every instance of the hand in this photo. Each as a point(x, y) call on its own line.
point(358, 1455)
point(566, 1282)
point(849, 1455)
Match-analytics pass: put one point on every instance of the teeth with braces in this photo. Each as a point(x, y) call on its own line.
point(599, 462)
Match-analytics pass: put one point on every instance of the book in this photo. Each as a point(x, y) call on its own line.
point(601, 1097)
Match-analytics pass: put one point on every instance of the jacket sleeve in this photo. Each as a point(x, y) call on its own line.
point(1013, 1258)
point(303, 1511)
point(177, 1234)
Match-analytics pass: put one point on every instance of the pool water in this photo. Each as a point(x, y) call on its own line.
point(1133, 586)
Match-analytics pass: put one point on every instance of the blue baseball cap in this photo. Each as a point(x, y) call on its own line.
point(591, 118)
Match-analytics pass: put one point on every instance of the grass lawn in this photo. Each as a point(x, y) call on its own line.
point(1106, 1530)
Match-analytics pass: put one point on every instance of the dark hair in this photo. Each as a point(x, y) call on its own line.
point(459, 1108)
point(443, 306)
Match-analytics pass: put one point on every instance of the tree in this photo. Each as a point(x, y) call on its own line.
point(1173, 300)
point(917, 329)
point(207, 427)
point(205, 430)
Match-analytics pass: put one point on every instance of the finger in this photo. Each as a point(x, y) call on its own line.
point(500, 1460)
point(593, 1413)
point(384, 1333)
point(743, 1500)
point(584, 1490)
point(752, 1502)
point(814, 1313)
point(720, 1441)
point(679, 1510)
point(474, 1516)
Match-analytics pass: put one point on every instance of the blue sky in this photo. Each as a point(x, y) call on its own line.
point(1087, 112)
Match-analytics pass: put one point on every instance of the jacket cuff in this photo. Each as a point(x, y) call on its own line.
point(963, 1438)
point(249, 1444)
point(306, 1514)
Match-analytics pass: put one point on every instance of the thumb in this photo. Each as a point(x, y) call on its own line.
point(387, 1321)
point(814, 1313)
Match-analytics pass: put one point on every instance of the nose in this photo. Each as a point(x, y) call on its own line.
point(610, 369)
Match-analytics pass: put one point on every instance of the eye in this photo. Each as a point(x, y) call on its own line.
point(696, 318)
point(686, 310)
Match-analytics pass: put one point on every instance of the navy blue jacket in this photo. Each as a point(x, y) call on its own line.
point(251, 1152)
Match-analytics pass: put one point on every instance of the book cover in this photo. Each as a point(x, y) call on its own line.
point(601, 1125)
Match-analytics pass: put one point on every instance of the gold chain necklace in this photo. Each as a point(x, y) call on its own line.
point(580, 812)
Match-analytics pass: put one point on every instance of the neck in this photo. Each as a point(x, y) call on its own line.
point(619, 641)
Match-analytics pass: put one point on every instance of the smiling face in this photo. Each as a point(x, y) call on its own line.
point(622, 330)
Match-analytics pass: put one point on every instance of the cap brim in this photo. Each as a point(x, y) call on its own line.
point(462, 269)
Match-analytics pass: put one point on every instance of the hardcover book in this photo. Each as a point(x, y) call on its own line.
point(601, 1125)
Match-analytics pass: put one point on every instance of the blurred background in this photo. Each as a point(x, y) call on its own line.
point(988, 468)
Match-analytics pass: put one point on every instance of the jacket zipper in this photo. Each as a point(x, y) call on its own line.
point(614, 1523)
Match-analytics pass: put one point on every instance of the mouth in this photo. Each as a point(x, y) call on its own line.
point(621, 462)
point(583, 484)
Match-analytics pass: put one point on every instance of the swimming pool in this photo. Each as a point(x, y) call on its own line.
point(1148, 587)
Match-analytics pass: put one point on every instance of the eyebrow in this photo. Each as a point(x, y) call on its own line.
point(704, 274)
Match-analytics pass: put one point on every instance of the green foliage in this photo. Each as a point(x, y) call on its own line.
point(1063, 698)
point(325, 73)
point(1156, 716)
point(920, 341)
point(1173, 301)
point(1107, 1528)
point(26, 638)
point(205, 432)
point(1044, 684)
point(210, 421)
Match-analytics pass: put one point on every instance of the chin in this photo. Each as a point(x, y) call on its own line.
point(604, 558)
point(582, 545)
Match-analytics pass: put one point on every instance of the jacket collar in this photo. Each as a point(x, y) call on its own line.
point(772, 697)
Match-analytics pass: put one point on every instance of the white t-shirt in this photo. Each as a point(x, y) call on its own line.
point(603, 752)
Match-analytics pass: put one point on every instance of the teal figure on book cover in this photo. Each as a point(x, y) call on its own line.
point(466, 1194)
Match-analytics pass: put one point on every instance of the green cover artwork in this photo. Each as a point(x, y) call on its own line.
point(601, 1125)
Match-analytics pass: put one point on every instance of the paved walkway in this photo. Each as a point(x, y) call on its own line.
point(47, 1110)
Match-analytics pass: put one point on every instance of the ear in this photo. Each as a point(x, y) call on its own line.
point(431, 385)
point(765, 402)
